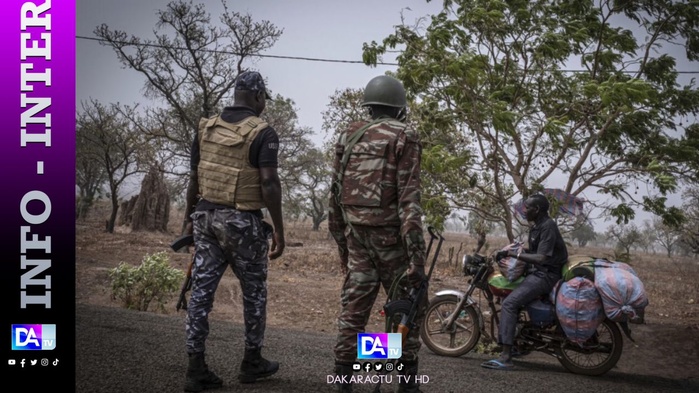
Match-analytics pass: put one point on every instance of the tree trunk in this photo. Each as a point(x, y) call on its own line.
point(112, 217)
point(84, 204)
point(509, 231)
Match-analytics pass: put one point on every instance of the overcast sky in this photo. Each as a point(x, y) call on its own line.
point(330, 29)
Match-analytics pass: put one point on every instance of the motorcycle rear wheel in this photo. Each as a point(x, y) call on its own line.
point(598, 355)
point(457, 341)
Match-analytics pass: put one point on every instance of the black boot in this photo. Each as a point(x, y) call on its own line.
point(408, 384)
point(254, 366)
point(345, 372)
point(198, 375)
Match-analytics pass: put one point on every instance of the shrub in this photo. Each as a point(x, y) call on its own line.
point(138, 286)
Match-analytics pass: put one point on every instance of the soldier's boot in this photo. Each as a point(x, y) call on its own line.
point(409, 383)
point(198, 376)
point(254, 366)
point(345, 372)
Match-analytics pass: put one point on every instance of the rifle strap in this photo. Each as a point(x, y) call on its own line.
point(349, 145)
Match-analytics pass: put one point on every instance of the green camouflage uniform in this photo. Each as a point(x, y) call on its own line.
point(376, 219)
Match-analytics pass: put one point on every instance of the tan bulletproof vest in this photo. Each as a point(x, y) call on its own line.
point(225, 174)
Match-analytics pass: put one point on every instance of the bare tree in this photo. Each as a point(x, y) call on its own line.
point(668, 237)
point(191, 64)
point(90, 175)
point(114, 146)
point(649, 236)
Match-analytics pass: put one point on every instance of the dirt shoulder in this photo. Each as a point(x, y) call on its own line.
point(304, 287)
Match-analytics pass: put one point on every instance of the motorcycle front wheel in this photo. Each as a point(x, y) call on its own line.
point(597, 355)
point(455, 341)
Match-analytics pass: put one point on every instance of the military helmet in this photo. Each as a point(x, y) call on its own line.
point(385, 90)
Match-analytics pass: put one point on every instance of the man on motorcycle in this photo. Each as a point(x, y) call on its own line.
point(547, 253)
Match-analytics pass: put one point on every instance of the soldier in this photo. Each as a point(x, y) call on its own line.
point(376, 218)
point(234, 171)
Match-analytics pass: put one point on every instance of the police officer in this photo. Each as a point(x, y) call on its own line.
point(375, 218)
point(234, 175)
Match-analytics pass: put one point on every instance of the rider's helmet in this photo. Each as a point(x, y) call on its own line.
point(385, 90)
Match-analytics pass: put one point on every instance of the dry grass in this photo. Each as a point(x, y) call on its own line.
point(304, 284)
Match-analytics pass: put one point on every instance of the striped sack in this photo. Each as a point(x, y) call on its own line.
point(579, 309)
point(623, 295)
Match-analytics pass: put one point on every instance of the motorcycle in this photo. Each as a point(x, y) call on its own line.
point(454, 324)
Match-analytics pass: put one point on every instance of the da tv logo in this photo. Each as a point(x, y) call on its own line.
point(33, 337)
point(379, 345)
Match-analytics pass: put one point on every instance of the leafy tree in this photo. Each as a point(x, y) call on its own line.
point(114, 147)
point(477, 227)
point(344, 108)
point(191, 64)
point(583, 233)
point(281, 114)
point(502, 115)
point(299, 170)
point(626, 236)
point(310, 189)
point(601, 240)
point(689, 232)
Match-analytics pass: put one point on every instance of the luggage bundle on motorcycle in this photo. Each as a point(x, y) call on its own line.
point(618, 295)
point(512, 268)
point(578, 308)
point(623, 295)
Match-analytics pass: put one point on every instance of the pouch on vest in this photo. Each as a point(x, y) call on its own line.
point(365, 173)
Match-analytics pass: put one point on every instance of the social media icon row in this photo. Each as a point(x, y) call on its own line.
point(377, 366)
point(33, 362)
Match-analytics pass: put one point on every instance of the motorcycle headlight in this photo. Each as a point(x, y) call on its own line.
point(471, 263)
point(466, 264)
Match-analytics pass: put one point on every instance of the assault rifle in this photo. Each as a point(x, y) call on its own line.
point(180, 245)
point(409, 307)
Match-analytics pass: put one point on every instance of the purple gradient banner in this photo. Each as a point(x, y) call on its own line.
point(37, 157)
